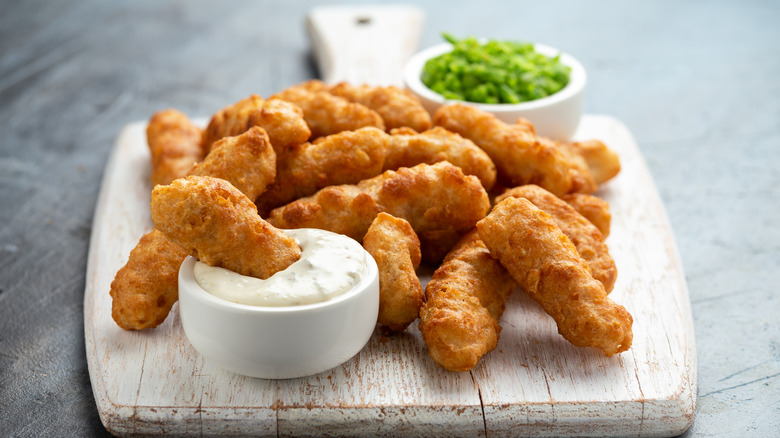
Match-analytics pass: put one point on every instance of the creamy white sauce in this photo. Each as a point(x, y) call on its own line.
point(330, 265)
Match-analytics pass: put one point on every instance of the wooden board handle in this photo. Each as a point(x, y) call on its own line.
point(364, 44)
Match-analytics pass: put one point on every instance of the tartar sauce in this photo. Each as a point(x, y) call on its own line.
point(330, 265)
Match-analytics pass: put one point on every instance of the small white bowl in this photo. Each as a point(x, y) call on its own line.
point(278, 342)
point(556, 116)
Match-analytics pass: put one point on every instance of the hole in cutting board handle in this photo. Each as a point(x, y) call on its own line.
point(364, 44)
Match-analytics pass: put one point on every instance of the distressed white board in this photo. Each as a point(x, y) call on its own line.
point(533, 384)
point(364, 43)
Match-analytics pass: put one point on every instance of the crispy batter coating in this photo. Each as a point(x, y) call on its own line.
point(282, 121)
point(145, 288)
point(344, 158)
point(433, 196)
point(220, 226)
point(396, 249)
point(429, 197)
point(175, 145)
point(593, 208)
point(247, 161)
point(396, 107)
point(583, 234)
point(345, 209)
point(464, 301)
point(231, 120)
point(578, 167)
point(521, 157)
point(313, 85)
point(603, 163)
point(327, 114)
point(150, 274)
point(407, 148)
point(547, 266)
point(526, 125)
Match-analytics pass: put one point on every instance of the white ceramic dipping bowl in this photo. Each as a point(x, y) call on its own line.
point(556, 116)
point(278, 342)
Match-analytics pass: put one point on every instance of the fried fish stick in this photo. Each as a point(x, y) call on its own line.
point(144, 289)
point(407, 148)
point(220, 226)
point(464, 301)
point(578, 162)
point(396, 107)
point(521, 157)
point(175, 145)
point(231, 120)
point(282, 121)
point(593, 208)
point(547, 266)
point(327, 114)
point(247, 161)
point(603, 163)
point(432, 196)
point(344, 158)
point(429, 197)
point(584, 235)
point(396, 249)
point(345, 209)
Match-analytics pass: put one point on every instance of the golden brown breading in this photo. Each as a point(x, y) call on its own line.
point(175, 145)
point(526, 125)
point(520, 156)
point(407, 148)
point(583, 234)
point(283, 122)
point(220, 226)
point(231, 120)
point(313, 85)
point(344, 158)
point(429, 197)
point(593, 208)
point(247, 161)
point(396, 107)
point(603, 163)
point(396, 249)
point(471, 266)
point(145, 288)
point(344, 209)
point(547, 266)
point(464, 301)
point(432, 196)
point(327, 114)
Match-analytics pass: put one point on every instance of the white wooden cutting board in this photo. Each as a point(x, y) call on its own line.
point(534, 384)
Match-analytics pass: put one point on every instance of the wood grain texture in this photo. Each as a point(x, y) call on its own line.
point(533, 384)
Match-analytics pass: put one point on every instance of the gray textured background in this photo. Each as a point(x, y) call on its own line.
point(696, 82)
